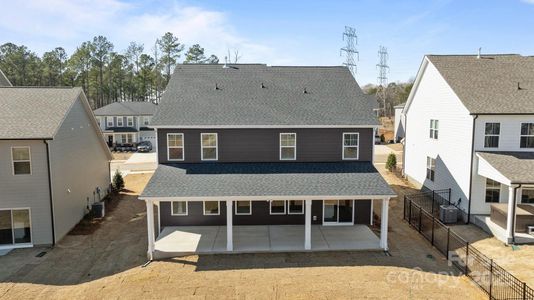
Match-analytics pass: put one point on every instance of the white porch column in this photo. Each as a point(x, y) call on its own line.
point(150, 228)
point(510, 215)
point(307, 225)
point(384, 225)
point(229, 226)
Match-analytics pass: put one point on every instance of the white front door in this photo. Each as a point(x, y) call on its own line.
point(338, 212)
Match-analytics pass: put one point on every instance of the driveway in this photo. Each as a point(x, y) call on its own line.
point(108, 264)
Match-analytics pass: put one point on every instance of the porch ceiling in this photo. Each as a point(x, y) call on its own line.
point(226, 180)
point(515, 167)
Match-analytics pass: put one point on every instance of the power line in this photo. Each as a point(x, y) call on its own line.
point(383, 70)
point(350, 49)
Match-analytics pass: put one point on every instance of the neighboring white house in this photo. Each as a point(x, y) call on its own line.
point(470, 127)
point(399, 123)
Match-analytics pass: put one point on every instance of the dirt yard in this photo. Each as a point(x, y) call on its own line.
point(107, 265)
point(121, 155)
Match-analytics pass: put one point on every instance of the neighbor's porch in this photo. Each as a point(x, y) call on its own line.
point(185, 240)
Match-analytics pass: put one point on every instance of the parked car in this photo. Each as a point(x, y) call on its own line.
point(144, 146)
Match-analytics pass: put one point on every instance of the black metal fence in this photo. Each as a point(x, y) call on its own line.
point(431, 201)
point(492, 278)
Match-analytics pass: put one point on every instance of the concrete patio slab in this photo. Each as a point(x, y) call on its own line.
point(186, 240)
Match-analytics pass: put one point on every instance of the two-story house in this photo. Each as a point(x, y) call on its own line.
point(126, 122)
point(273, 155)
point(54, 164)
point(470, 127)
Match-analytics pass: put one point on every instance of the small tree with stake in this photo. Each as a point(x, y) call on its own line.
point(118, 181)
point(391, 163)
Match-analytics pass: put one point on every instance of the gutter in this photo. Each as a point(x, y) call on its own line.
point(471, 169)
point(50, 193)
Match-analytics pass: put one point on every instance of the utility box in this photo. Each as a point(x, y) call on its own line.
point(98, 209)
point(448, 214)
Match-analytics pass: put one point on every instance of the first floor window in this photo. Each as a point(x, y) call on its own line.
point(179, 208)
point(126, 138)
point(15, 227)
point(21, 160)
point(527, 135)
point(434, 129)
point(278, 207)
point(243, 207)
point(209, 146)
point(288, 146)
point(430, 168)
point(175, 146)
point(296, 207)
point(491, 135)
point(211, 207)
point(493, 191)
point(350, 145)
point(527, 195)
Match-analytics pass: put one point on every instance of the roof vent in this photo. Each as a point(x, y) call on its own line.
point(216, 87)
point(305, 91)
point(519, 86)
point(225, 66)
point(479, 50)
point(262, 85)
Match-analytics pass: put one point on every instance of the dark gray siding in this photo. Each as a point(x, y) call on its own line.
point(262, 145)
point(260, 215)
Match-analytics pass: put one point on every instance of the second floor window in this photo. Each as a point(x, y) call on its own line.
point(146, 120)
point(109, 121)
point(175, 146)
point(120, 121)
point(209, 146)
point(351, 145)
point(21, 160)
point(288, 146)
point(491, 135)
point(527, 135)
point(434, 129)
point(430, 168)
point(130, 121)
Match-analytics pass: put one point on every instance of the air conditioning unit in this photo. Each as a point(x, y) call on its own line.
point(448, 214)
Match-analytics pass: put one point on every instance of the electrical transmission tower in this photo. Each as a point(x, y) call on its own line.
point(350, 49)
point(383, 70)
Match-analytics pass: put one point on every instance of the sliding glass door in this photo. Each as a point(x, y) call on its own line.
point(15, 228)
point(338, 212)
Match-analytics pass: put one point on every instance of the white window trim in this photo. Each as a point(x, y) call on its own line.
point(145, 119)
point(294, 147)
point(525, 188)
point(186, 209)
point(277, 213)
point(524, 135)
point(492, 188)
point(243, 214)
point(487, 135)
point(202, 147)
point(295, 213)
point(429, 167)
point(108, 119)
point(29, 160)
point(211, 214)
point(434, 130)
point(121, 124)
point(169, 148)
point(19, 245)
point(128, 121)
point(357, 147)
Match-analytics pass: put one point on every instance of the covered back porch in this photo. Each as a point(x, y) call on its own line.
point(511, 218)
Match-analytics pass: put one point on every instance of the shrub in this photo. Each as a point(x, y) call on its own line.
point(391, 163)
point(118, 181)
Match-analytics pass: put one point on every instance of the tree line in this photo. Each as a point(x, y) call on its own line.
point(106, 75)
point(394, 94)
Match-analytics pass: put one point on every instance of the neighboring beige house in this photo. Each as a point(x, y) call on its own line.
point(54, 164)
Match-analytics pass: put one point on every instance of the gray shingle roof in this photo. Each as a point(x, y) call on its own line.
point(34, 112)
point(516, 166)
point(3, 79)
point(489, 85)
point(128, 108)
point(267, 179)
point(332, 97)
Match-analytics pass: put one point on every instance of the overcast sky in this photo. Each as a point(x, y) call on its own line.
point(283, 32)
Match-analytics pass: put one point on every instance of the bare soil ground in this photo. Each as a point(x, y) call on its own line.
point(121, 155)
point(107, 265)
